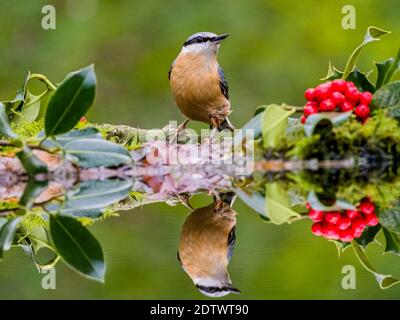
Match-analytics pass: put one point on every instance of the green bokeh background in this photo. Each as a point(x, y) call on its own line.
point(276, 50)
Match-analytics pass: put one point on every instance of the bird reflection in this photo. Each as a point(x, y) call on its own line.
point(206, 245)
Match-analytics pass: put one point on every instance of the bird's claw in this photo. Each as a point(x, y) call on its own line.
point(173, 138)
point(184, 199)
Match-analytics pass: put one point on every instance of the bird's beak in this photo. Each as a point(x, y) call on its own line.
point(234, 290)
point(220, 38)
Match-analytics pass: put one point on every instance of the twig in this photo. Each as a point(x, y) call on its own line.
point(44, 79)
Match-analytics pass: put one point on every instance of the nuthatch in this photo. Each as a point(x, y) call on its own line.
point(197, 81)
point(205, 248)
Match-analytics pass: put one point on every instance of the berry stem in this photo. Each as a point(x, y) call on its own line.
point(296, 108)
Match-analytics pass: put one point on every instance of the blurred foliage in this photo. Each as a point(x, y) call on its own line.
point(275, 51)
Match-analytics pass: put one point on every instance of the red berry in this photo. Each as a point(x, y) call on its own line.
point(339, 85)
point(359, 224)
point(303, 119)
point(346, 106)
point(358, 233)
point(83, 119)
point(308, 206)
point(354, 231)
point(309, 94)
point(352, 214)
point(327, 105)
point(367, 207)
point(323, 91)
point(338, 98)
point(310, 108)
point(371, 220)
point(350, 84)
point(316, 215)
point(353, 94)
point(346, 235)
point(317, 229)
point(362, 111)
point(366, 97)
point(344, 223)
point(332, 217)
point(330, 232)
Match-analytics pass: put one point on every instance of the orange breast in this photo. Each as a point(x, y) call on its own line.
point(195, 86)
point(203, 246)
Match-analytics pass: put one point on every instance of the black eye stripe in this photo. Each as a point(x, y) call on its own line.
point(198, 39)
point(216, 289)
point(211, 289)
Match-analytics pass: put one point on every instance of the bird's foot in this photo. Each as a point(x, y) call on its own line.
point(179, 129)
point(223, 199)
point(226, 124)
point(183, 125)
point(221, 124)
point(184, 199)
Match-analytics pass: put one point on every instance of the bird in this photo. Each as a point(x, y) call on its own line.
point(198, 83)
point(206, 245)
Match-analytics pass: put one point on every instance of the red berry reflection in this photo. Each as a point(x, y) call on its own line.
point(343, 225)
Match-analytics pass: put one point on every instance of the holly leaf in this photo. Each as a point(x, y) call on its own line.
point(387, 97)
point(254, 200)
point(383, 68)
point(32, 190)
point(97, 194)
point(341, 246)
point(387, 69)
point(63, 139)
point(7, 233)
point(92, 153)
point(38, 241)
point(259, 109)
point(274, 124)
point(30, 162)
point(385, 281)
point(373, 34)
point(277, 204)
point(369, 235)
point(256, 122)
point(5, 129)
point(390, 218)
point(392, 242)
point(31, 108)
point(339, 205)
point(361, 81)
point(76, 213)
point(20, 96)
point(333, 73)
point(77, 247)
point(71, 100)
point(323, 119)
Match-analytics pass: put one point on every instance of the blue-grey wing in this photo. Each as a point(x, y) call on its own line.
point(170, 70)
point(223, 84)
point(231, 242)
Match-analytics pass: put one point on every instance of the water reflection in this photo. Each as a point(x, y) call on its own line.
point(206, 245)
point(348, 199)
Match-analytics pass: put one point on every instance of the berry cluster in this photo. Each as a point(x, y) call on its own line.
point(345, 225)
point(337, 95)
